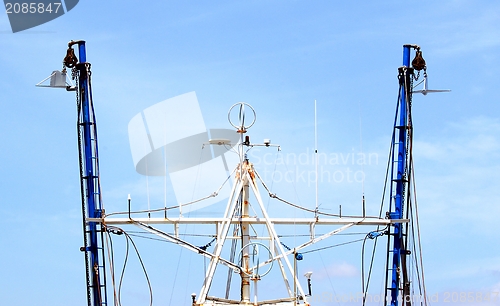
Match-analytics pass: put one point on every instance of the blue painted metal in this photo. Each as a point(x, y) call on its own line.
point(375, 234)
point(399, 181)
point(90, 182)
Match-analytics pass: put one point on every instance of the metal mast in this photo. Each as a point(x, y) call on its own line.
point(396, 266)
point(89, 176)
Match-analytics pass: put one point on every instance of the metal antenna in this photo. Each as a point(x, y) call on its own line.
point(316, 154)
point(362, 165)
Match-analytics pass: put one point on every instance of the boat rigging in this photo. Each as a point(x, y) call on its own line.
point(250, 255)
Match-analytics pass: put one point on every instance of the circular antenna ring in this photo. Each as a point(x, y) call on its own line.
point(241, 116)
point(255, 259)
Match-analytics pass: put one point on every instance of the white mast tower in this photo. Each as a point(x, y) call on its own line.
point(255, 259)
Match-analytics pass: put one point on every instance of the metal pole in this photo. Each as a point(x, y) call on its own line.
point(245, 239)
point(89, 174)
point(400, 178)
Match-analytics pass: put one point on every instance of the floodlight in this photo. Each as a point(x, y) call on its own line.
point(58, 79)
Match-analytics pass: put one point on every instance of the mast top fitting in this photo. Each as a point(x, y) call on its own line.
point(241, 127)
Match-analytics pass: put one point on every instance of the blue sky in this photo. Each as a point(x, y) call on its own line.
point(279, 56)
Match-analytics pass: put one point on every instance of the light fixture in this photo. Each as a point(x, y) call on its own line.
point(308, 276)
point(58, 79)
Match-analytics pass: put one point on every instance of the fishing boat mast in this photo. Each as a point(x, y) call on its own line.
point(92, 208)
point(89, 174)
point(400, 178)
point(250, 265)
point(244, 201)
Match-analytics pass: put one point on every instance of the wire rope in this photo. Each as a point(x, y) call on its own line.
point(214, 194)
point(123, 272)
point(417, 223)
point(119, 231)
point(329, 278)
point(364, 289)
point(272, 195)
point(391, 153)
point(76, 77)
point(143, 268)
point(333, 246)
point(109, 248)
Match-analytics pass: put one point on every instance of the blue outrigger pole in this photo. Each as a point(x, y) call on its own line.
point(89, 175)
point(400, 175)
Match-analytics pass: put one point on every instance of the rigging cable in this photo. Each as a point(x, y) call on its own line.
point(329, 279)
point(333, 246)
point(274, 196)
point(76, 76)
point(147, 189)
point(214, 194)
point(109, 247)
point(386, 179)
point(97, 185)
point(272, 183)
point(316, 154)
point(175, 276)
point(320, 234)
point(119, 231)
point(407, 194)
point(371, 235)
point(94, 126)
point(165, 179)
point(143, 268)
point(150, 238)
point(419, 239)
point(362, 165)
point(197, 182)
point(231, 259)
point(180, 234)
point(412, 177)
point(414, 261)
point(123, 272)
